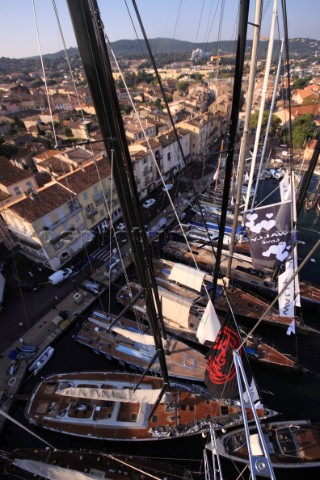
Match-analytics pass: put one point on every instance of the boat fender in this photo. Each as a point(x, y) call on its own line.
point(12, 381)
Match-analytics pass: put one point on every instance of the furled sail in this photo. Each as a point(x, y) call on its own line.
point(269, 233)
point(138, 337)
point(286, 299)
point(291, 296)
point(124, 395)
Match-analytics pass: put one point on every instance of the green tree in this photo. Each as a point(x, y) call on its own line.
point(17, 125)
point(126, 109)
point(67, 131)
point(6, 150)
point(37, 83)
point(301, 82)
point(157, 103)
point(303, 128)
point(196, 76)
point(275, 122)
point(182, 86)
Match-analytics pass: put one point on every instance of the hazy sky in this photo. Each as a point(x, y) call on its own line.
point(192, 20)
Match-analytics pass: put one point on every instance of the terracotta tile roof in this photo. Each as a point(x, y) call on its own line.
point(45, 155)
point(10, 174)
point(44, 201)
point(4, 195)
point(56, 165)
point(78, 155)
point(85, 177)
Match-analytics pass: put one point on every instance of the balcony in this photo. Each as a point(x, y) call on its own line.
point(92, 213)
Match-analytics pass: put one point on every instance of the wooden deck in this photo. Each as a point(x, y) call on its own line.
point(181, 412)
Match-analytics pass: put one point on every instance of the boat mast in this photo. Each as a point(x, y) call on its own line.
point(273, 101)
point(240, 56)
point(244, 138)
point(90, 37)
point(262, 103)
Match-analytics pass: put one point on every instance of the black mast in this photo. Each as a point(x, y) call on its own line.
point(240, 57)
point(90, 37)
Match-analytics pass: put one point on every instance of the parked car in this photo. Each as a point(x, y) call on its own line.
point(149, 203)
point(112, 265)
point(92, 287)
point(121, 226)
point(167, 187)
point(60, 275)
point(11, 370)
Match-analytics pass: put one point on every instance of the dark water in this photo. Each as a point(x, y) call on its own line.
point(295, 396)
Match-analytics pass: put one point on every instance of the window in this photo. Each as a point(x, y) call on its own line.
point(85, 195)
point(134, 417)
point(29, 184)
point(17, 190)
point(169, 157)
point(88, 208)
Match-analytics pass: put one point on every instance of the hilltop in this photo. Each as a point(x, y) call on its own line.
point(166, 49)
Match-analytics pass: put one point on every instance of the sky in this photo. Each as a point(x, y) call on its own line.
point(191, 20)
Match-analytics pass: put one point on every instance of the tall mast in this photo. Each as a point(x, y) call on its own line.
point(241, 48)
point(273, 102)
point(90, 37)
point(244, 138)
point(263, 100)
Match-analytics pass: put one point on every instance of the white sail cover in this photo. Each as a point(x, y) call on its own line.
point(209, 325)
point(288, 192)
point(188, 276)
point(175, 307)
point(286, 300)
point(253, 393)
point(255, 445)
point(142, 338)
point(269, 232)
point(52, 472)
point(285, 188)
point(114, 394)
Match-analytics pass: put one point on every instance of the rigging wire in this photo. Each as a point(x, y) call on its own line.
point(199, 21)
point(290, 279)
point(106, 203)
point(174, 30)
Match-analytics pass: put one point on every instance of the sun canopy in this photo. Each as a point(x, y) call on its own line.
point(175, 307)
point(188, 276)
point(116, 395)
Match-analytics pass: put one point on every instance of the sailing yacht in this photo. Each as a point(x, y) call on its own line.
point(183, 314)
point(292, 445)
point(132, 344)
point(114, 406)
point(58, 464)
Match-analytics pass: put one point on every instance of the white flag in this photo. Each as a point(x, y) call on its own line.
point(215, 176)
point(246, 177)
point(232, 201)
point(291, 328)
point(209, 325)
